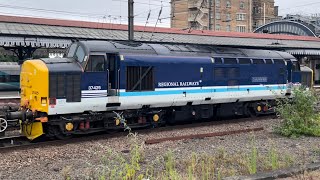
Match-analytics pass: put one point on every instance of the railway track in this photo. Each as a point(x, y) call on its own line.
point(8, 101)
point(13, 143)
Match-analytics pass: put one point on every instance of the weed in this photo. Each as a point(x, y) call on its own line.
point(288, 160)
point(171, 172)
point(252, 158)
point(298, 114)
point(66, 172)
point(273, 158)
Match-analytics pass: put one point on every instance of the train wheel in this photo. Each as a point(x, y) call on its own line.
point(251, 111)
point(58, 133)
point(3, 125)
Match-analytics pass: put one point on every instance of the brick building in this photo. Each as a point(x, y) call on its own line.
point(225, 15)
point(264, 12)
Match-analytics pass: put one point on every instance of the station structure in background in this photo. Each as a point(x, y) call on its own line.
point(298, 25)
point(223, 15)
point(25, 36)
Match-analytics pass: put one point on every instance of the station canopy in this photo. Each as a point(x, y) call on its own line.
point(53, 33)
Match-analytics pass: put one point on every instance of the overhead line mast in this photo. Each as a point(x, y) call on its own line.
point(130, 20)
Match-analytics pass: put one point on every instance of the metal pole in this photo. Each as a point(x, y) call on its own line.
point(214, 15)
point(250, 20)
point(264, 13)
point(210, 12)
point(130, 20)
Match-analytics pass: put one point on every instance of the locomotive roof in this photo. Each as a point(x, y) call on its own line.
point(126, 47)
point(57, 65)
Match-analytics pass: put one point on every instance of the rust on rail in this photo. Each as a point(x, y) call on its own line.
point(194, 136)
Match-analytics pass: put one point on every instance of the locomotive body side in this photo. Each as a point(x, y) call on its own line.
point(80, 94)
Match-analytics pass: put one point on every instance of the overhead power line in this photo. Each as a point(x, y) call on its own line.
point(56, 11)
point(160, 12)
point(151, 4)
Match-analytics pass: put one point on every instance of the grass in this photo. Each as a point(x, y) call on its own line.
point(220, 164)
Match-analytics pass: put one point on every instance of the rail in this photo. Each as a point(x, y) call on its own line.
point(20, 142)
point(13, 141)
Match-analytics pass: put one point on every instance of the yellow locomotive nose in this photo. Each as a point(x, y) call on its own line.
point(34, 83)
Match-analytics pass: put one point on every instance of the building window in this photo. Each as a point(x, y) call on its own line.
point(194, 25)
point(241, 28)
point(242, 6)
point(218, 3)
point(211, 15)
point(218, 15)
point(228, 28)
point(228, 4)
point(241, 17)
point(218, 27)
point(257, 10)
point(228, 17)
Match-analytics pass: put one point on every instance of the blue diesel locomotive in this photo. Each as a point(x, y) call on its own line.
point(149, 84)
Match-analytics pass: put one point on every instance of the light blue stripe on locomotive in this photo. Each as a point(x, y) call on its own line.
point(195, 91)
point(188, 91)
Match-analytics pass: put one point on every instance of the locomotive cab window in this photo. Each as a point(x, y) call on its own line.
point(72, 50)
point(80, 54)
point(295, 66)
point(96, 63)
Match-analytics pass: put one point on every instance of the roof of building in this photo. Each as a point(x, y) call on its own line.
point(286, 27)
point(41, 32)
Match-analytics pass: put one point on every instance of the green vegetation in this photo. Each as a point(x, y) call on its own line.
point(299, 118)
point(298, 114)
point(8, 58)
point(252, 158)
point(132, 164)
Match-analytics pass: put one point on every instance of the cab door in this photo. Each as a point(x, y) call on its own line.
point(95, 76)
point(113, 71)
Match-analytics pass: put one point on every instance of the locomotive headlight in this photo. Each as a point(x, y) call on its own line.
point(43, 100)
point(69, 126)
point(155, 118)
point(117, 122)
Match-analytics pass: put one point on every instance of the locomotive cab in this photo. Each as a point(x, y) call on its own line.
point(294, 72)
point(100, 69)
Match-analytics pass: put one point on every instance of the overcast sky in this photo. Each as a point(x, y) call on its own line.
point(115, 11)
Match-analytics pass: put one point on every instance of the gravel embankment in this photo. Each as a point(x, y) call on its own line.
point(81, 160)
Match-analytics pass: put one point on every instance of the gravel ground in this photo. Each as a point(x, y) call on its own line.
point(80, 160)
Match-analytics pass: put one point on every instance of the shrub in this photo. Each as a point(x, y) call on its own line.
point(298, 114)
